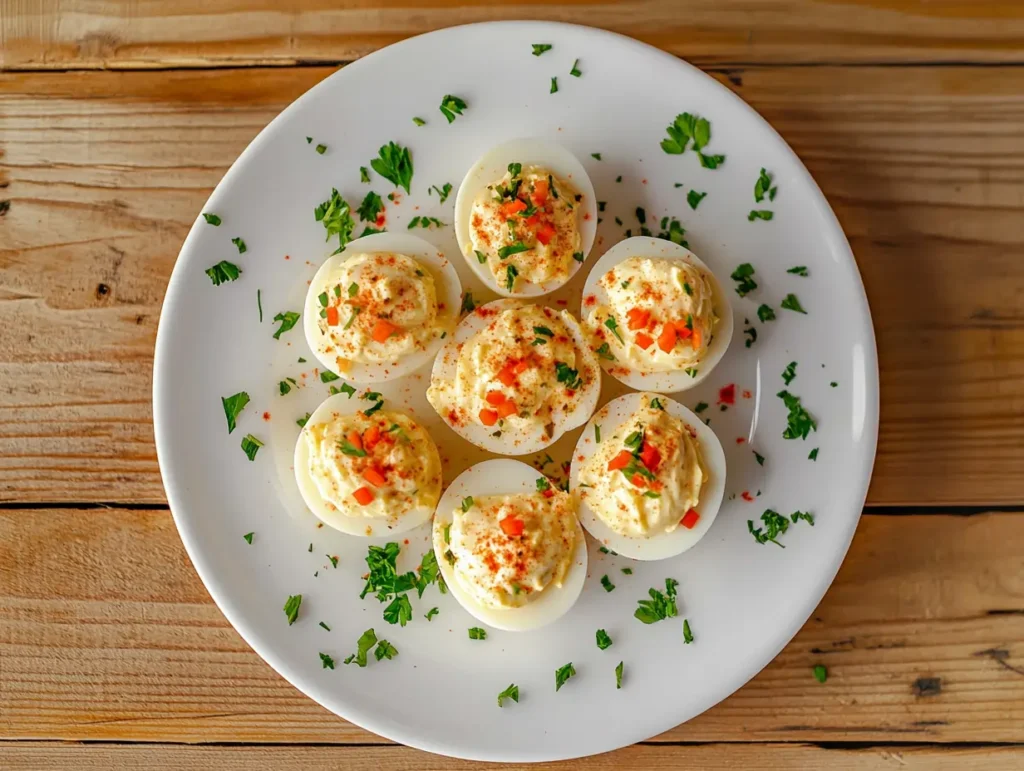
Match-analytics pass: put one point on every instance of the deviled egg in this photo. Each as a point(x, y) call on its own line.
point(514, 377)
point(526, 217)
point(649, 477)
point(509, 545)
point(380, 308)
point(657, 315)
point(367, 470)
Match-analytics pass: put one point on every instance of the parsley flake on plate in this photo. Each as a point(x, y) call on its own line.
point(751, 334)
point(789, 374)
point(301, 422)
point(687, 634)
point(250, 446)
point(813, 454)
point(512, 692)
point(603, 640)
point(554, 86)
point(291, 608)
point(451, 106)
point(394, 163)
point(240, 245)
point(820, 673)
point(287, 319)
point(596, 156)
point(618, 676)
point(774, 525)
point(694, 198)
point(371, 206)
point(607, 584)
point(791, 303)
point(627, 571)
point(562, 675)
point(321, 149)
point(744, 278)
point(212, 219)
point(419, 121)
point(442, 192)
point(538, 49)
point(425, 222)
point(222, 272)
point(248, 538)
point(233, 405)
point(674, 232)
point(701, 406)
point(326, 376)
point(763, 187)
point(322, 624)
point(399, 611)
point(765, 313)
point(660, 606)
point(431, 613)
point(799, 270)
point(327, 661)
point(575, 72)
point(758, 457)
point(366, 641)
point(385, 650)
point(476, 633)
point(760, 214)
point(799, 421)
point(336, 217)
point(364, 174)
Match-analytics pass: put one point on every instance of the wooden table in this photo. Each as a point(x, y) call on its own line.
point(118, 118)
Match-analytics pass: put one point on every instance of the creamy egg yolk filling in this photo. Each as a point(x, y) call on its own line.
point(506, 550)
point(521, 373)
point(376, 308)
point(645, 479)
point(378, 466)
point(660, 314)
point(525, 226)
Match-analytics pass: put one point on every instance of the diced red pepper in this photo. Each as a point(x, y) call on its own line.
point(667, 338)
point(507, 408)
point(620, 461)
point(495, 398)
point(355, 440)
point(507, 376)
point(382, 330)
point(651, 457)
point(644, 340)
point(488, 417)
point(512, 526)
point(637, 318)
point(370, 437)
point(689, 519)
point(545, 232)
point(512, 208)
point(332, 316)
point(540, 192)
point(638, 481)
point(363, 496)
point(374, 477)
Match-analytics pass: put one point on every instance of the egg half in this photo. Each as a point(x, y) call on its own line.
point(365, 469)
point(514, 377)
point(675, 464)
point(526, 217)
point(657, 314)
point(512, 554)
point(380, 309)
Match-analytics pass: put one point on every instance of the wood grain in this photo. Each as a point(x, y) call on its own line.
point(203, 33)
point(106, 634)
point(106, 171)
point(23, 756)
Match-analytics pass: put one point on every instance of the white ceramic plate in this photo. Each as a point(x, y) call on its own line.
point(439, 694)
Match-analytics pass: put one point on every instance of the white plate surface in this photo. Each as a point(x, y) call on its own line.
point(439, 693)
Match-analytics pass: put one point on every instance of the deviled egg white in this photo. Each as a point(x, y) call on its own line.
point(514, 377)
point(380, 308)
point(367, 470)
point(526, 217)
point(509, 545)
point(657, 315)
point(649, 477)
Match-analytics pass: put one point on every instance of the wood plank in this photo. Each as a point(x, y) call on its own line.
point(106, 634)
point(24, 756)
point(120, 33)
point(107, 170)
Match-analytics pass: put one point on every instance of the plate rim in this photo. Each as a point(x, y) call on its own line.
point(218, 590)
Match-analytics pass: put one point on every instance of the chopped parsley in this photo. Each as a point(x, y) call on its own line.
point(321, 149)
point(480, 256)
point(212, 219)
point(789, 374)
point(701, 406)
point(363, 645)
point(327, 661)
point(674, 231)
point(512, 692)
point(285, 387)
point(259, 304)
point(694, 198)
point(394, 164)
point(399, 611)
point(430, 573)
point(240, 245)
point(347, 448)
point(352, 316)
point(805, 516)
point(618, 676)
point(596, 156)
point(364, 174)
point(820, 673)
point(325, 626)
point(334, 561)
point(575, 72)
point(614, 327)
point(834, 384)
point(763, 187)
point(301, 422)
point(607, 584)
point(604, 352)
point(597, 433)
point(799, 270)
point(514, 248)
point(791, 303)
point(813, 454)
point(751, 334)
point(774, 525)
point(442, 192)
point(758, 457)
point(452, 106)
point(418, 121)
point(288, 319)
point(687, 634)
point(385, 650)
point(567, 375)
point(336, 216)
point(467, 504)
point(248, 538)
point(603, 640)
point(765, 313)
point(468, 306)
point(376, 405)
point(606, 550)
point(326, 376)
point(543, 485)
point(431, 613)
point(578, 256)
point(250, 446)
point(291, 608)
point(233, 405)
point(692, 371)
point(711, 161)
point(510, 277)
point(799, 422)
point(222, 272)
point(660, 606)
point(371, 206)
point(345, 387)
point(760, 214)
point(425, 222)
point(627, 571)
point(383, 578)
point(538, 49)
point(743, 276)
point(554, 86)
point(562, 674)
point(476, 633)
